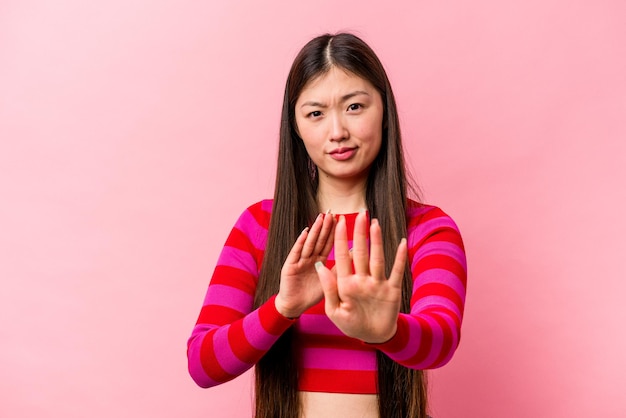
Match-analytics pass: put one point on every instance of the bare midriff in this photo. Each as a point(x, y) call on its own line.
point(345, 405)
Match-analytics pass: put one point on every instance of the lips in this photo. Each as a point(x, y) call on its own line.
point(341, 154)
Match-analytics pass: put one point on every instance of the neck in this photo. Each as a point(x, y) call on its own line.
point(341, 197)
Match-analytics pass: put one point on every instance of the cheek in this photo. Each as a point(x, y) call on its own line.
point(371, 133)
point(310, 135)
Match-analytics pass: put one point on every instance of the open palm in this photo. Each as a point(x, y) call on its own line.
point(363, 304)
point(299, 283)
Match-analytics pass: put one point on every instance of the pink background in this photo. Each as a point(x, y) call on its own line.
point(134, 132)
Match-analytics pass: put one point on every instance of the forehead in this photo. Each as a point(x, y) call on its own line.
point(335, 82)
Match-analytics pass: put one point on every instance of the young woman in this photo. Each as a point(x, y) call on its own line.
point(341, 289)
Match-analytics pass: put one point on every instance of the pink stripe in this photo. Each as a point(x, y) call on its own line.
point(413, 343)
point(441, 276)
point(233, 257)
point(266, 205)
point(441, 248)
point(331, 255)
point(255, 334)
point(454, 332)
point(225, 356)
point(230, 297)
point(195, 365)
point(437, 341)
point(317, 324)
point(423, 229)
point(434, 302)
point(247, 223)
point(336, 359)
point(453, 336)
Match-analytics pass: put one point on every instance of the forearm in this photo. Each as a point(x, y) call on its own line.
point(424, 341)
point(217, 354)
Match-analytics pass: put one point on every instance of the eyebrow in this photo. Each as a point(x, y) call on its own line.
point(343, 98)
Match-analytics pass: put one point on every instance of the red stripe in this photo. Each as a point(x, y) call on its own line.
point(440, 310)
point(350, 220)
point(330, 341)
point(234, 277)
point(426, 342)
point(447, 340)
point(218, 315)
point(262, 217)
point(240, 346)
point(271, 320)
point(440, 261)
point(238, 239)
point(338, 381)
point(440, 234)
point(433, 213)
point(438, 289)
point(209, 362)
point(400, 340)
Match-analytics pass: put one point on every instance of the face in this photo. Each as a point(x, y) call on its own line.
point(339, 117)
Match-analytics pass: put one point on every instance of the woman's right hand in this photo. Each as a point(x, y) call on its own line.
point(299, 283)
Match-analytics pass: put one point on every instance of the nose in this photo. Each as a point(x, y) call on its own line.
point(338, 130)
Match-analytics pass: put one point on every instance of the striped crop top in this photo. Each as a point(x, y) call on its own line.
point(230, 336)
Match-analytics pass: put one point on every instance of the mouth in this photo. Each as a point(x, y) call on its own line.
point(343, 153)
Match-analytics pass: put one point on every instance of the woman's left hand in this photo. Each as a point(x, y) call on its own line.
point(364, 304)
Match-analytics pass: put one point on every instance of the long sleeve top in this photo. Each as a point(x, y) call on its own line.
point(230, 336)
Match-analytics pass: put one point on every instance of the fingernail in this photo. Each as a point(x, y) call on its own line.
point(305, 230)
point(362, 210)
point(318, 265)
point(328, 212)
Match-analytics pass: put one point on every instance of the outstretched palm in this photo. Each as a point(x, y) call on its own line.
point(299, 284)
point(363, 304)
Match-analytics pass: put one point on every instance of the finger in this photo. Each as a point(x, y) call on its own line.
point(308, 248)
point(325, 234)
point(360, 250)
point(296, 250)
point(343, 262)
point(328, 280)
point(377, 251)
point(399, 264)
point(330, 241)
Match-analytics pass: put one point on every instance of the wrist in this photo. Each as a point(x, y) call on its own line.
point(280, 307)
point(386, 339)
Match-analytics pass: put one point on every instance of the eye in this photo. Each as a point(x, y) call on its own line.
point(315, 114)
point(355, 106)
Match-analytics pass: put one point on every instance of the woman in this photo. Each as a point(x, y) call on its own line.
point(340, 318)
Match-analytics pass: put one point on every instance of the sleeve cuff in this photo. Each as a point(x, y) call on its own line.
point(272, 320)
point(399, 341)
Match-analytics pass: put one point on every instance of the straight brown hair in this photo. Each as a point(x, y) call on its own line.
point(401, 391)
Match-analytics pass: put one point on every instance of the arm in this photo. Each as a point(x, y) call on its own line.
point(428, 336)
point(364, 304)
point(229, 336)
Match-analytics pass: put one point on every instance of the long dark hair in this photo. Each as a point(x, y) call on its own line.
point(401, 391)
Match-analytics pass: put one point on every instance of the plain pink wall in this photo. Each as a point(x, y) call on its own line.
point(134, 132)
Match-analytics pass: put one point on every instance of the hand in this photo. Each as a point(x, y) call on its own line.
point(364, 304)
point(299, 283)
